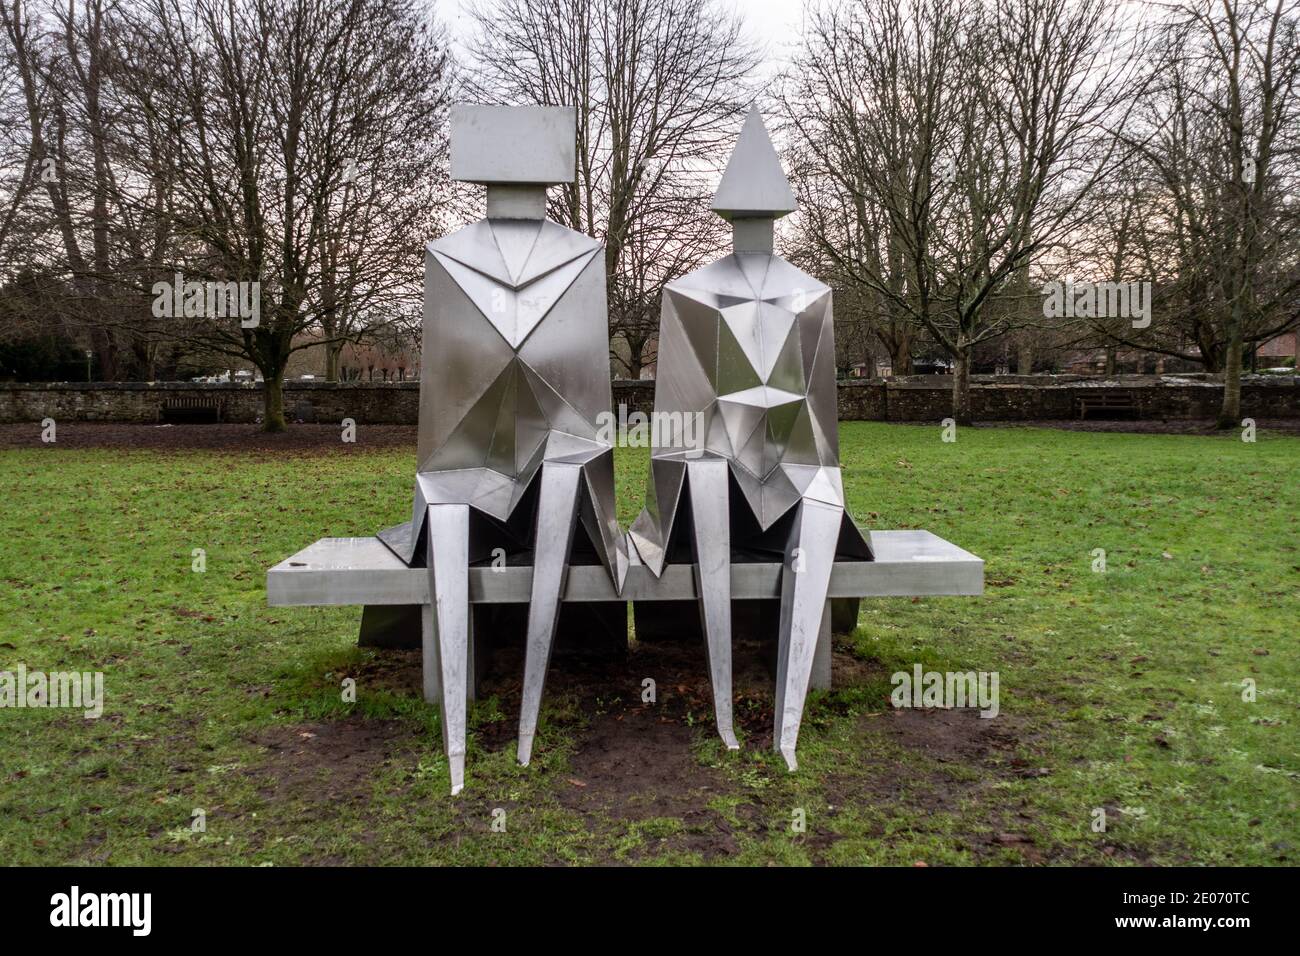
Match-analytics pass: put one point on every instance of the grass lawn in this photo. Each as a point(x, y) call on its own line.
point(1120, 690)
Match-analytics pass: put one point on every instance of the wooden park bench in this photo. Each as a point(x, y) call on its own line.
point(1108, 400)
point(191, 409)
point(362, 571)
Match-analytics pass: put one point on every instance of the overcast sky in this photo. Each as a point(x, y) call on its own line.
point(776, 24)
point(773, 24)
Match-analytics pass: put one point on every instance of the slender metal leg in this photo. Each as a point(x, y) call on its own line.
point(805, 580)
point(557, 516)
point(446, 643)
point(712, 541)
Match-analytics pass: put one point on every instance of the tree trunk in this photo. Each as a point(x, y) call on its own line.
point(105, 354)
point(1230, 413)
point(961, 410)
point(1024, 359)
point(1212, 358)
point(1110, 362)
point(900, 357)
point(273, 385)
point(332, 352)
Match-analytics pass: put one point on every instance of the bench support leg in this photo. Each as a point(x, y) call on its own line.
point(478, 657)
point(821, 669)
point(390, 626)
point(707, 479)
point(805, 615)
point(446, 631)
point(557, 515)
point(844, 615)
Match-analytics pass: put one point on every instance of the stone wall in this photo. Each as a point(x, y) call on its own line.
point(916, 399)
point(1020, 398)
point(378, 403)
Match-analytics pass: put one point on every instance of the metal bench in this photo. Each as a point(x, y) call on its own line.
point(1107, 399)
point(363, 571)
point(192, 410)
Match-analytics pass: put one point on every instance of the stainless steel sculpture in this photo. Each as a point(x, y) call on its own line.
point(747, 342)
point(514, 374)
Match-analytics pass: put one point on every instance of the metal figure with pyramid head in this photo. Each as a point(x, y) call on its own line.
point(514, 372)
point(747, 342)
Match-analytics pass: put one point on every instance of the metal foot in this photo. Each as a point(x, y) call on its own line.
point(456, 764)
point(707, 478)
point(557, 513)
point(446, 640)
point(805, 580)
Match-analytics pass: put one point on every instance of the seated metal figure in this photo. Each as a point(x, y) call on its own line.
point(747, 342)
point(514, 372)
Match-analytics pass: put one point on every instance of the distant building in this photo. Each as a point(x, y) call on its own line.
point(1275, 352)
point(390, 361)
point(395, 359)
point(1127, 362)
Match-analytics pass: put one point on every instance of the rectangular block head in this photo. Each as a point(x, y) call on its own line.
point(513, 144)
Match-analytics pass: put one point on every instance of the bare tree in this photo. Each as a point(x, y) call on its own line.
point(389, 199)
point(658, 86)
point(19, 172)
point(867, 103)
point(830, 227)
point(961, 139)
point(64, 60)
point(309, 136)
point(1219, 149)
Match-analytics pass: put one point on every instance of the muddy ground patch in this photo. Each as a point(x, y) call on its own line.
point(634, 774)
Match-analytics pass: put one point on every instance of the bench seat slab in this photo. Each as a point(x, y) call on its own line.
point(362, 571)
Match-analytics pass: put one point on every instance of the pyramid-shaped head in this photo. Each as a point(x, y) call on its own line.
point(754, 185)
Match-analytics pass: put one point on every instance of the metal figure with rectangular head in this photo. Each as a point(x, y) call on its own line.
point(514, 374)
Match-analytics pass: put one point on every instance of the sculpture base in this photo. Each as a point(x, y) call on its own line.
point(597, 628)
point(336, 571)
point(753, 623)
point(679, 621)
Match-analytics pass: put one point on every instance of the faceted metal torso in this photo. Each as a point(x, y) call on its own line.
point(517, 325)
point(515, 328)
point(748, 343)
